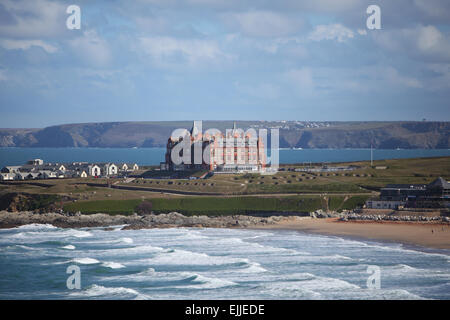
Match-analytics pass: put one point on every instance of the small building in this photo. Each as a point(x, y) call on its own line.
point(94, 170)
point(35, 162)
point(433, 195)
point(6, 176)
point(125, 167)
point(11, 169)
point(384, 204)
point(110, 169)
point(48, 174)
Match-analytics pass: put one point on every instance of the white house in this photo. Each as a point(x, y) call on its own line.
point(47, 174)
point(36, 162)
point(11, 169)
point(32, 175)
point(128, 167)
point(61, 167)
point(123, 167)
point(6, 176)
point(26, 175)
point(110, 169)
point(94, 170)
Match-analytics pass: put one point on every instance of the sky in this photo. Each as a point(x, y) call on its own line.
point(149, 60)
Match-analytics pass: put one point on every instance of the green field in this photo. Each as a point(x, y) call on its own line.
point(215, 205)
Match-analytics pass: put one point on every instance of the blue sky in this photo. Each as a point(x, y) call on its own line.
point(149, 60)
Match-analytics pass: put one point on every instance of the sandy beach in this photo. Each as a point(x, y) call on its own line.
point(432, 235)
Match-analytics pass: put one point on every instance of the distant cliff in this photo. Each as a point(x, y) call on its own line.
point(299, 134)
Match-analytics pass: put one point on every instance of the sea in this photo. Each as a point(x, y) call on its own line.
point(153, 156)
point(44, 262)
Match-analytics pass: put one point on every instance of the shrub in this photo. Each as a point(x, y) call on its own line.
point(145, 207)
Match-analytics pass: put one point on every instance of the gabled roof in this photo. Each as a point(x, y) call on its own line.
point(439, 183)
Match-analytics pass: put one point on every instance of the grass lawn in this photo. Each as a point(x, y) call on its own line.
point(215, 205)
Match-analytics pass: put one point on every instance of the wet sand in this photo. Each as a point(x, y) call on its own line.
point(432, 235)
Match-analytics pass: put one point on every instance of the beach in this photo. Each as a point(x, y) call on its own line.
point(429, 234)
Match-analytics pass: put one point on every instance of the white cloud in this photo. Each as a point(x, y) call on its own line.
point(169, 50)
point(394, 77)
point(91, 49)
point(35, 19)
point(27, 44)
point(265, 23)
point(362, 32)
point(421, 42)
point(331, 32)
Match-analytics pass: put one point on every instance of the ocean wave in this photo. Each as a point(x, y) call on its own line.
point(184, 257)
point(39, 236)
point(191, 235)
point(126, 240)
point(253, 267)
point(85, 261)
point(112, 265)
point(36, 226)
point(335, 259)
point(404, 270)
point(203, 282)
point(69, 247)
point(142, 249)
point(110, 292)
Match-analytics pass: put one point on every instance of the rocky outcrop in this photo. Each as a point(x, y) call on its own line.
point(133, 222)
point(415, 218)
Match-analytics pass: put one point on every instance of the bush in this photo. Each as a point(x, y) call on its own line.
point(145, 207)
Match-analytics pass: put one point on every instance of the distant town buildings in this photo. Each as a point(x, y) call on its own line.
point(37, 169)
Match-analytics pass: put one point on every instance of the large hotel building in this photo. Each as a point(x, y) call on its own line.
point(234, 151)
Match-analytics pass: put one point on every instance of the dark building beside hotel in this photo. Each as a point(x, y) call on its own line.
point(433, 195)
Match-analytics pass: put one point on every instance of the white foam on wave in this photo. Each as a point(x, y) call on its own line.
point(134, 250)
point(335, 258)
point(404, 270)
point(112, 265)
point(85, 260)
point(184, 257)
point(254, 267)
point(126, 240)
point(69, 247)
point(34, 226)
point(110, 292)
point(191, 235)
point(78, 233)
point(203, 282)
point(307, 286)
point(42, 235)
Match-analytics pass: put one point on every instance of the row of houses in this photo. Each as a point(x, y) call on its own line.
point(37, 169)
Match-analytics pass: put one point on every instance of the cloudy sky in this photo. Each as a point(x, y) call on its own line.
point(223, 59)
